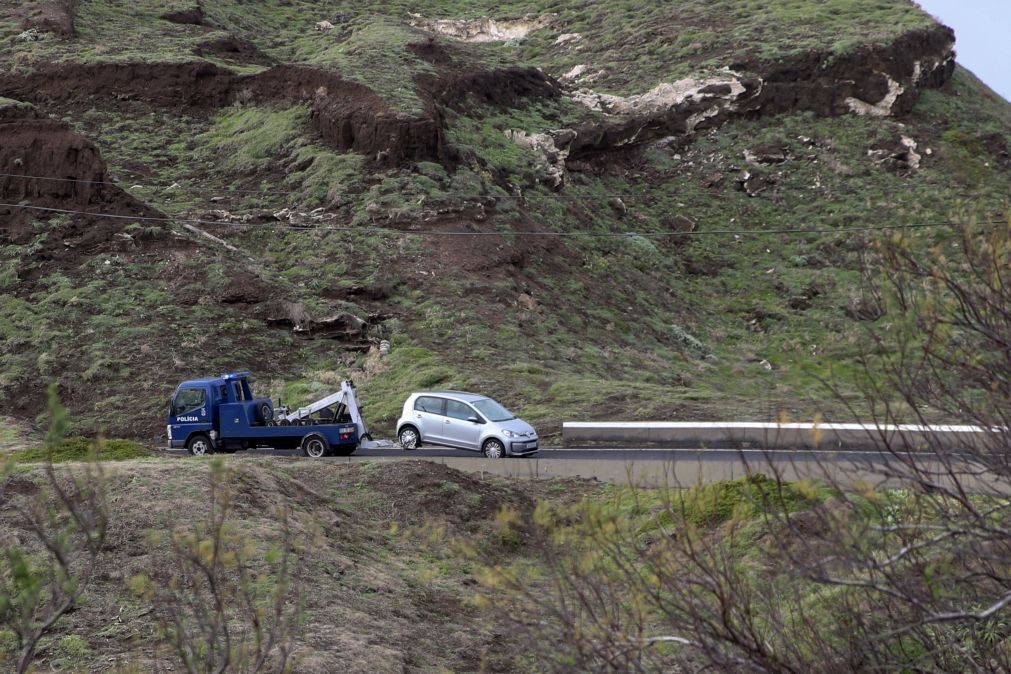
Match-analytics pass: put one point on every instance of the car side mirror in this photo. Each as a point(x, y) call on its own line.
point(474, 420)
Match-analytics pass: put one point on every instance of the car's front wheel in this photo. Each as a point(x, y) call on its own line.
point(409, 438)
point(493, 449)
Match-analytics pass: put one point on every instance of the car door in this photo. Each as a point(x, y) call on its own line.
point(430, 414)
point(460, 431)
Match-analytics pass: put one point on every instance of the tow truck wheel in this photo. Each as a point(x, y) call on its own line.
point(315, 446)
point(409, 438)
point(198, 445)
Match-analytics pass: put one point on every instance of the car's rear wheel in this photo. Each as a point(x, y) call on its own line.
point(409, 437)
point(493, 449)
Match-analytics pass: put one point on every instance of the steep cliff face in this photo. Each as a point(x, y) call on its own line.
point(347, 115)
point(67, 172)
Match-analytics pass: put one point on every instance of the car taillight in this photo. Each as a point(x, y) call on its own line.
point(345, 436)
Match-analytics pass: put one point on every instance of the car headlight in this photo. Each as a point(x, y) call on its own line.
point(510, 434)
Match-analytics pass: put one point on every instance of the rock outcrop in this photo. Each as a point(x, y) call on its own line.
point(483, 30)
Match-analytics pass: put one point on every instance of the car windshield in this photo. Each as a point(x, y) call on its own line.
point(492, 410)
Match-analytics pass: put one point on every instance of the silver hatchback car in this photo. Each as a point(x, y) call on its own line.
point(464, 421)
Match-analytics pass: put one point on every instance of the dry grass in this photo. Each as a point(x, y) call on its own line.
point(376, 600)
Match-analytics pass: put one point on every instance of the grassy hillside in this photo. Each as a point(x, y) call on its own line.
point(482, 274)
point(637, 46)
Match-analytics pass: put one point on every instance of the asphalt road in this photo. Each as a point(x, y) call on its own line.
point(659, 467)
point(638, 455)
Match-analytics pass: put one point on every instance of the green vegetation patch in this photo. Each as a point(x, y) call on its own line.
point(411, 368)
point(252, 139)
point(712, 504)
point(82, 449)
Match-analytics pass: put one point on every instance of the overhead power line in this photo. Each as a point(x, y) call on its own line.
point(457, 195)
point(372, 229)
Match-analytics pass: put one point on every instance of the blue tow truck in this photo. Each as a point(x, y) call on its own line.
point(221, 414)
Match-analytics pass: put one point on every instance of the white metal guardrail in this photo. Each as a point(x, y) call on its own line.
point(747, 434)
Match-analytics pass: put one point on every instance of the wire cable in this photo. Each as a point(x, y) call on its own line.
point(176, 185)
point(372, 229)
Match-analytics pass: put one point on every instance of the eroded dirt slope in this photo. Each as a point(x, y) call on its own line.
point(377, 598)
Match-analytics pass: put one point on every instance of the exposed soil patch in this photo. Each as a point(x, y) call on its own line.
point(433, 52)
point(17, 485)
point(490, 256)
point(824, 83)
point(233, 48)
point(508, 87)
point(192, 16)
point(36, 145)
point(245, 288)
point(424, 490)
point(51, 16)
point(350, 331)
point(997, 145)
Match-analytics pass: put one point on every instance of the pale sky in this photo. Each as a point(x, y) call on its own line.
point(983, 37)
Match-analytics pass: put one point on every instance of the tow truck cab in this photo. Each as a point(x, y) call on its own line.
point(213, 407)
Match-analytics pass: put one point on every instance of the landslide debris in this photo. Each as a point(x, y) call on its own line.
point(878, 81)
point(483, 30)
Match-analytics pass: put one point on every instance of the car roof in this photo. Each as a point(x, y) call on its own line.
point(457, 395)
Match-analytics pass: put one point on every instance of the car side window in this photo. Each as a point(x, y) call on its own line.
point(430, 405)
point(459, 410)
point(188, 400)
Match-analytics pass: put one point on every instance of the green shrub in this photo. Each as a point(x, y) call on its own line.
point(74, 648)
point(8, 644)
point(713, 504)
